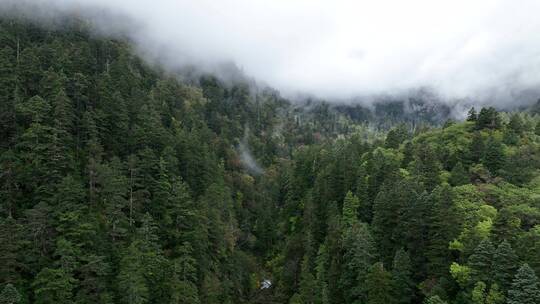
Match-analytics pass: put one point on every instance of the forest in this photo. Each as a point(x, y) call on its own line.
point(121, 182)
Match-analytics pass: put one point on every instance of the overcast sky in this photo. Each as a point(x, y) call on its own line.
point(344, 48)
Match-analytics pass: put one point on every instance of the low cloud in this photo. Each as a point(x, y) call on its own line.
point(486, 49)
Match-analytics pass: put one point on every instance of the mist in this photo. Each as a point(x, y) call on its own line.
point(486, 50)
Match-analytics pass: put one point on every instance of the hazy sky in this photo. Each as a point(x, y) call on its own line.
point(342, 48)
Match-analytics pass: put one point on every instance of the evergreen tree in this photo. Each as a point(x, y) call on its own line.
point(379, 285)
point(402, 277)
point(505, 263)
point(494, 157)
point(481, 261)
point(359, 254)
point(426, 167)
point(471, 115)
point(350, 210)
point(396, 136)
point(54, 286)
point(442, 229)
point(183, 285)
point(434, 300)
point(459, 176)
point(9, 295)
point(10, 250)
point(516, 124)
point(488, 118)
point(8, 82)
point(131, 281)
point(524, 289)
point(476, 148)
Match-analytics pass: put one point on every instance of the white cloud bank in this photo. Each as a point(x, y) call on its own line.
point(343, 48)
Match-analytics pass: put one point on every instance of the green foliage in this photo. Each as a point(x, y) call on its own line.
point(122, 183)
point(494, 157)
point(402, 277)
point(379, 285)
point(505, 264)
point(434, 300)
point(350, 210)
point(525, 288)
point(9, 295)
point(488, 118)
point(459, 176)
point(481, 261)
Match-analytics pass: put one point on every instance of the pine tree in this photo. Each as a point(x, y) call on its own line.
point(395, 194)
point(459, 176)
point(525, 288)
point(379, 285)
point(488, 118)
point(408, 154)
point(434, 300)
point(442, 229)
point(396, 136)
point(402, 277)
point(321, 269)
point(476, 148)
point(494, 157)
point(359, 254)
point(426, 167)
point(183, 283)
point(308, 284)
point(471, 115)
point(8, 87)
point(350, 210)
point(505, 263)
point(481, 261)
point(9, 295)
point(10, 250)
point(495, 295)
point(516, 124)
point(54, 286)
point(131, 281)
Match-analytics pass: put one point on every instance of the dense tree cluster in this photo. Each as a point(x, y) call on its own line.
point(121, 184)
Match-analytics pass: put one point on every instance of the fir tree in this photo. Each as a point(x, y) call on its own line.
point(434, 300)
point(524, 288)
point(350, 210)
point(9, 295)
point(505, 263)
point(481, 261)
point(379, 285)
point(494, 157)
point(402, 277)
point(471, 115)
point(459, 176)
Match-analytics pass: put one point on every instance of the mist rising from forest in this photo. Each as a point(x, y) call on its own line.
point(485, 51)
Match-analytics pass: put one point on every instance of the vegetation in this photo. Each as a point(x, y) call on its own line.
point(121, 184)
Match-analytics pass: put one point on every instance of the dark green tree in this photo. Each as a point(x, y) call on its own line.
point(505, 264)
point(488, 118)
point(481, 261)
point(350, 210)
point(471, 115)
point(494, 157)
point(379, 285)
point(403, 284)
point(459, 176)
point(524, 289)
point(359, 254)
point(9, 295)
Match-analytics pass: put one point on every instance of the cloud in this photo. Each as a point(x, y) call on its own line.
point(248, 161)
point(486, 49)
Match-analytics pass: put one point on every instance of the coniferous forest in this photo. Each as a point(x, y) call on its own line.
point(124, 183)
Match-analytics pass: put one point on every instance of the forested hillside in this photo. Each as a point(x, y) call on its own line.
point(121, 183)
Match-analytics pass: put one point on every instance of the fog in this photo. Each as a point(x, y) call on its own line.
point(487, 50)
